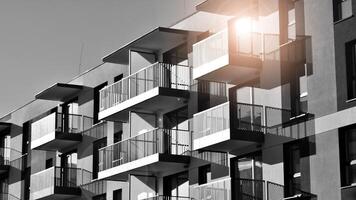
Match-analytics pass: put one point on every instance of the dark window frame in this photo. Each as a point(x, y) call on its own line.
point(350, 53)
point(345, 139)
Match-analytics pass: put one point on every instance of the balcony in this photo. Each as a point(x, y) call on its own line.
point(227, 127)
point(58, 183)
point(228, 189)
point(58, 131)
point(348, 192)
point(144, 90)
point(6, 155)
point(159, 151)
point(228, 57)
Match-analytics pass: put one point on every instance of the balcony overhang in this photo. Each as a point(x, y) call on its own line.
point(60, 92)
point(224, 69)
point(228, 7)
point(4, 128)
point(150, 101)
point(160, 39)
point(156, 164)
point(56, 141)
point(4, 169)
point(228, 140)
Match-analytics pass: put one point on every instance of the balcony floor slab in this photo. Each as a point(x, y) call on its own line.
point(156, 164)
point(150, 101)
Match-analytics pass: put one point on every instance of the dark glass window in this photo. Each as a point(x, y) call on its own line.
point(97, 102)
point(117, 194)
point(49, 163)
point(292, 172)
point(351, 69)
point(96, 146)
point(118, 78)
point(204, 173)
point(347, 140)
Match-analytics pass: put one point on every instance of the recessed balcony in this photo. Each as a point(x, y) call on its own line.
point(58, 131)
point(145, 90)
point(228, 126)
point(58, 183)
point(228, 56)
point(159, 151)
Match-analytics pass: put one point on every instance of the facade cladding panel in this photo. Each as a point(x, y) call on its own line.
point(248, 99)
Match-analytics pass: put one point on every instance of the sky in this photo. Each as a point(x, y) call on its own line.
point(43, 42)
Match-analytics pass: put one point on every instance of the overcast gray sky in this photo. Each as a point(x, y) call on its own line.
point(41, 40)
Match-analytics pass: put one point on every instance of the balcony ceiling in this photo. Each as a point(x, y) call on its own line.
point(4, 126)
point(159, 39)
point(227, 7)
point(60, 92)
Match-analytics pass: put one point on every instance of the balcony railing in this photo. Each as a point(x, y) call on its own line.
point(156, 75)
point(7, 154)
point(220, 158)
point(211, 48)
point(280, 122)
point(58, 177)
point(58, 122)
point(99, 130)
point(167, 141)
point(6, 196)
point(218, 190)
point(161, 197)
point(216, 119)
point(246, 189)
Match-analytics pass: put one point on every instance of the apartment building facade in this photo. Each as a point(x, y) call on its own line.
point(240, 100)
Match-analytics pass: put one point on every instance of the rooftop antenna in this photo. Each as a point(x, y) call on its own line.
point(81, 57)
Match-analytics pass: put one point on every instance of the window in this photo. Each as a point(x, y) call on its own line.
point(342, 9)
point(204, 173)
point(347, 139)
point(118, 78)
point(351, 68)
point(96, 103)
point(117, 194)
point(292, 153)
point(49, 163)
point(96, 146)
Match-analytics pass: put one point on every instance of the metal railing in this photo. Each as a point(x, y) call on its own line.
point(58, 122)
point(210, 88)
point(162, 197)
point(168, 141)
point(99, 130)
point(220, 158)
point(97, 187)
point(58, 177)
point(217, 190)
point(155, 75)
point(216, 119)
point(280, 122)
point(250, 189)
